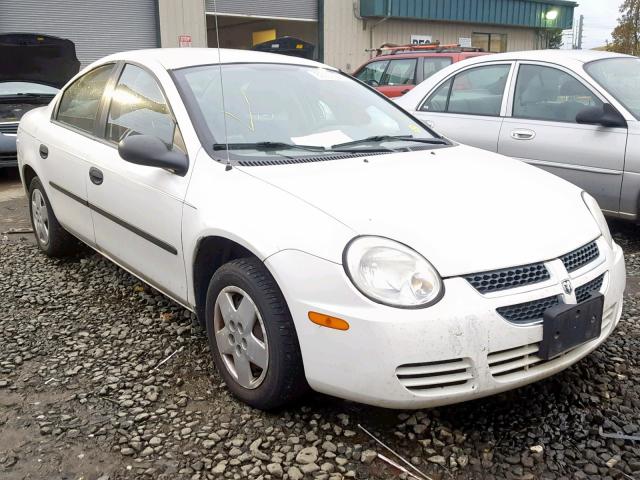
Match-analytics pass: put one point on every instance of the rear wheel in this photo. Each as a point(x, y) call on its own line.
point(252, 337)
point(52, 239)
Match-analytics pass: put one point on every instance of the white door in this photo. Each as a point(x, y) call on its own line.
point(468, 106)
point(64, 166)
point(543, 131)
point(137, 210)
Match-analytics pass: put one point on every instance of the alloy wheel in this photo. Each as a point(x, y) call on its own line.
point(241, 337)
point(40, 216)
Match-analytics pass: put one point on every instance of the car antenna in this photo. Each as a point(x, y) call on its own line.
point(224, 109)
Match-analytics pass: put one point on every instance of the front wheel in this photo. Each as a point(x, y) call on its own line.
point(252, 336)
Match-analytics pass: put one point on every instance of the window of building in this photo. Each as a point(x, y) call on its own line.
point(490, 42)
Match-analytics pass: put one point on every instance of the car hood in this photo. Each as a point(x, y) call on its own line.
point(44, 59)
point(466, 210)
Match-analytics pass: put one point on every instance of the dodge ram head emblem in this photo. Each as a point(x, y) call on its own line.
point(567, 286)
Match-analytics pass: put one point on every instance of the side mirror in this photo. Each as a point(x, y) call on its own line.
point(152, 152)
point(607, 116)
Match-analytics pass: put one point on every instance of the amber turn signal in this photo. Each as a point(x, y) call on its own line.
point(328, 321)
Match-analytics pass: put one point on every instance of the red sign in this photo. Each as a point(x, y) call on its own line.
point(184, 41)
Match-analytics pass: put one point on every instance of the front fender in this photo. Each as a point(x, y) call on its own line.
point(260, 217)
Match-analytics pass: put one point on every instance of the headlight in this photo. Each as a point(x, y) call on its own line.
point(594, 208)
point(391, 273)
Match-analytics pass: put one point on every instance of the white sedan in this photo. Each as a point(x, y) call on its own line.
point(323, 236)
point(574, 113)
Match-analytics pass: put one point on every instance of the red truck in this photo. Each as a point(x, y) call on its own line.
point(396, 69)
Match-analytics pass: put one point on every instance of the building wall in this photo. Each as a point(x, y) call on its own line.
point(346, 37)
point(182, 17)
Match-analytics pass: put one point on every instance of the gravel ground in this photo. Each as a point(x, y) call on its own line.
point(82, 396)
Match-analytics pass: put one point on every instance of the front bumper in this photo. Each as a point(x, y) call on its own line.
point(8, 154)
point(457, 350)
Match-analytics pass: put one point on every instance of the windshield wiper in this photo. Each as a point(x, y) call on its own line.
point(391, 138)
point(266, 146)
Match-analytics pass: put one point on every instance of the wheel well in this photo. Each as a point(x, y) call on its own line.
point(212, 253)
point(28, 174)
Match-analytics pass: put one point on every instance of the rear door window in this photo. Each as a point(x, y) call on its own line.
point(431, 65)
point(80, 102)
point(400, 72)
point(477, 91)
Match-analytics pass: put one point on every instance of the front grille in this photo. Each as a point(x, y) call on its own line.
point(528, 312)
point(8, 157)
point(583, 292)
point(497, 280)
point(580, 257)
point(518, 363)
point(419, 377)
point(11, 128)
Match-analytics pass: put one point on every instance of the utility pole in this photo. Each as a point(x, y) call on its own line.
point(580, 33)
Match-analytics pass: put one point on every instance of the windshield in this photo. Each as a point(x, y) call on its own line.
point(620, 77)
point(17, 88)
point(305, 110)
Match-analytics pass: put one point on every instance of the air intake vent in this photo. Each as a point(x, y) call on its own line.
point(10, 128)
point(579, 258)
point(497, 280)
point(419, 377)
point(309, 159)
point(528, 312)
point(583, 292)
point(513, 360)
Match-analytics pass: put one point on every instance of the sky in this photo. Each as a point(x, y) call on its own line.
point(600, 18)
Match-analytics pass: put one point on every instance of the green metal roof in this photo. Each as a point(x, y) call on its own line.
point(521, 13)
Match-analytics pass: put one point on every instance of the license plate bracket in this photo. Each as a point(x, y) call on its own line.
point(567, 326)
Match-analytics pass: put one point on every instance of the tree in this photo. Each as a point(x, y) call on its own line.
point(554, 39)
point(626, 36)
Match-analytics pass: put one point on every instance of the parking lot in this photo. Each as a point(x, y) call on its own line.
point(84, 393)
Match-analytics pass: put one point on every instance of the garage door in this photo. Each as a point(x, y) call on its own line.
point(298, 9)
point(98, 28)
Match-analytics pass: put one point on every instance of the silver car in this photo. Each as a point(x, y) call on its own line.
point(573, 113)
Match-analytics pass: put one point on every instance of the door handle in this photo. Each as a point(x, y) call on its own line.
point(405, 91)
point(96, 176)
point(44, 151)
point(523, 134)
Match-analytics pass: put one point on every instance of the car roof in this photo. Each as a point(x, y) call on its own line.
point(549, 56)
point(174, 58)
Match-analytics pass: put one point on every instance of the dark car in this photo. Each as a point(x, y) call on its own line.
point(32, 69)
point(398, 68)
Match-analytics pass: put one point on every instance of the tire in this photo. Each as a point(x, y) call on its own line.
point(57, 242)
point(283, 380)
